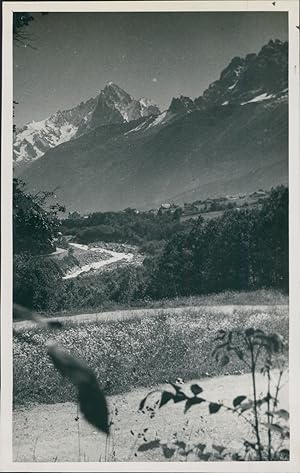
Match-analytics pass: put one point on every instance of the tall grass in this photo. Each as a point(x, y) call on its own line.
point(258, 297)
point(133, 352)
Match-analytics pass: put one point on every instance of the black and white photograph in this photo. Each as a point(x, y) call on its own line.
point(153, 182)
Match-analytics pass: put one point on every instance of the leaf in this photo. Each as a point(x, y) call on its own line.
point(201, 446)
point(284, 454)
point(93, 405)
point(54, 324)
point(204, 456)
point(180, 444)
point(69, 366)
point(92, 401)
point(143, 401)
point(239, 354)
point(168, 452)
point(274, 427)
point(218, 448)
point(177, 388)
point(246, 406)
point(266, 398)
point(149, 445)
point(275, 342)
point(22, 313)
point(196, 389)
point(217, 348)
point(237, 401)
point(214, 407)
point(248, 444)
point(224, 360)
point(185, 453)
point(236, 456)
point(165, 397)
point(180, 396)
point(192, 401)
point(283, 413)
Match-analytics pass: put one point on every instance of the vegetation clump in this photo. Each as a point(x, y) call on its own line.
point(241, 250)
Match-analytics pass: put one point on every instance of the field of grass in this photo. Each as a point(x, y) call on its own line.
point(141, 351)
point(258, 297)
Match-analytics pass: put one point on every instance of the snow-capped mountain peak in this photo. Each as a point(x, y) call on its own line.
point(246, 79)
point(112, 105)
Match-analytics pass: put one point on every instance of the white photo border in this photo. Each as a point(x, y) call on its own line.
point(290, 6)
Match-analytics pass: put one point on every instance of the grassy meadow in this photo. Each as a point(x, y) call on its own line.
point(134, 352)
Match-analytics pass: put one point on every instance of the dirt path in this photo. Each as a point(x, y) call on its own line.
point(50, 432)
point(132, 313)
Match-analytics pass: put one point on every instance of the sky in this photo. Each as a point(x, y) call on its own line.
point(72, 56)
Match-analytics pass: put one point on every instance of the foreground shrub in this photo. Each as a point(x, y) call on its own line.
point(269, 424)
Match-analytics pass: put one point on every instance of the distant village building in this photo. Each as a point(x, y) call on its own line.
point(259, 193)
point(167, 207)
point(190, 209)
point(74, 215)
point(153, 211)
point(200, 205)
point(129, 210)
point(220, 199)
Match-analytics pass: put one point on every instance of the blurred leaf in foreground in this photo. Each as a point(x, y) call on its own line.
point(92, 401)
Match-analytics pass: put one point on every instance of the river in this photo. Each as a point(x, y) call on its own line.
point(115, 257)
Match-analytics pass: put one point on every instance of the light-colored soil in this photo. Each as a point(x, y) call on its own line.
point(50, 432)
point(133, 313)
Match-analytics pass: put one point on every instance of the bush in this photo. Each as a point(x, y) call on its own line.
point(37, 282)
point(269, 428)
point(34, 226)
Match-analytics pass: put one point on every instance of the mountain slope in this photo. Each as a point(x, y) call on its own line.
point(209, 146)
point(244, 79)
point(112, 105)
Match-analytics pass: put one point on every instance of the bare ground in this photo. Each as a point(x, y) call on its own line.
point(50, 433)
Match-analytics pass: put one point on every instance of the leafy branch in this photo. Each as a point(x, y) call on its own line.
point(255, 348)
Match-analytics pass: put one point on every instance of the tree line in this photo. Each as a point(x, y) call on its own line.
point(128, 226)
point(240, 250)
point(243, 249)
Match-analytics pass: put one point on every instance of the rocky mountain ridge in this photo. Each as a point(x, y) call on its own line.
point(112, 105)
point(231, 139)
